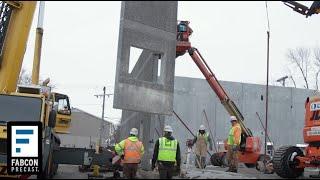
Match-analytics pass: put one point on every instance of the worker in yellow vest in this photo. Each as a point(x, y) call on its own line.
point(202, 140)
point(234, 140)
point(166, 154)
point(131, 151)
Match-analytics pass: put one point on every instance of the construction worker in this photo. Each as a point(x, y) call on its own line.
point(233, 142)
point(131, 150)
point(166, 154)
point(202, 140)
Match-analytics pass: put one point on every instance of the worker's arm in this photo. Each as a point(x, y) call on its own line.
point(142, 149)
point(194, 140)
point(155, 153)
point(237, 136)
point(119, 148)
point(178, 156)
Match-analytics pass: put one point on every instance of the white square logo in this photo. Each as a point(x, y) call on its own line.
point(24, 141)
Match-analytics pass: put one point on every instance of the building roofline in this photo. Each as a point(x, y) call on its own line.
point(90, 114)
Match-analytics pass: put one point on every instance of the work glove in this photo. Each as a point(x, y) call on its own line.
point(235, 148)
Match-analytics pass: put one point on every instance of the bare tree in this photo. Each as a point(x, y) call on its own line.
point(290, 76)
point(305, 63)
point(301, 58)
point(25, 77)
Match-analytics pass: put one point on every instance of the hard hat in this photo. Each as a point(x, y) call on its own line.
point(233, 118)
point(134, 131)
point(168, 129)
point(202, 127)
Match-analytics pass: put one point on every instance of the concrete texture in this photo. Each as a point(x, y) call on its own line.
point(150, 26)
point(84, 130)
point(286, 110)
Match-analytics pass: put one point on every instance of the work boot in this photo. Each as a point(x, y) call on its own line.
point(234, 171)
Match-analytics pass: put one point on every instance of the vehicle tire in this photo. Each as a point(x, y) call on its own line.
point(46, 173)
point(224, 160)
point(216, 159)
point(250, 165)
point(284, 162)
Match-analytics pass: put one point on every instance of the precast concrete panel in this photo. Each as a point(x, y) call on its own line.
point(151, 27)
point(285, 117)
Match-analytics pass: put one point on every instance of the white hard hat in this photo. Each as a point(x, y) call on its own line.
point(168, 129)
point(202, 127)
point(134, 131)
point(233, 118)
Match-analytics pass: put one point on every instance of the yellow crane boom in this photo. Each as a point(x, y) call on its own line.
point(14, 39)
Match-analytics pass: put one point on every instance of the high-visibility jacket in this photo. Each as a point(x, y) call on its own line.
point(234, 137)
point(206, 136)
point(167, 149)
point(131, 148)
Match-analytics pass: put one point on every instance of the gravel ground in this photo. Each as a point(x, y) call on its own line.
point(211, 172)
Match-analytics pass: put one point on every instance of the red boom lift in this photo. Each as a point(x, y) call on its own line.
point(250, 146)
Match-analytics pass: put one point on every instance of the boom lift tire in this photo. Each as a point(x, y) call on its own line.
point(284, 162)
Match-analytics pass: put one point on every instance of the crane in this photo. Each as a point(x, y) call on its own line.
point(34, 102)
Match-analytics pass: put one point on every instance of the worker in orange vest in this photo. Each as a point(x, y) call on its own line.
point(233, 142)
point(131, 150)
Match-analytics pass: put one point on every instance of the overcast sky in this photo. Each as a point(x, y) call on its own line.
point(81, 39)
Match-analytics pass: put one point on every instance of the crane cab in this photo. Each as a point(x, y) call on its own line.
point(62, 106)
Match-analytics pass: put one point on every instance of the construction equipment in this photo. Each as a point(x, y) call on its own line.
point(302, 9)
point(250, 146)
point(61, 103)
point(16, 19)
point(51, 109)
point(290, 161)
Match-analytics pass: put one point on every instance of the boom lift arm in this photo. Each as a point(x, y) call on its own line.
point(218, 89)
point(250, 146)
point(183, 45)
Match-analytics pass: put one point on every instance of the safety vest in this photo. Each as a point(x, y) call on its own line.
point(206, 136)
point(167, 149)
point(231, 135)
point(132, 151)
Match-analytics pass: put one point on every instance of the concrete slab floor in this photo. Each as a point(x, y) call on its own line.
point(211, 172)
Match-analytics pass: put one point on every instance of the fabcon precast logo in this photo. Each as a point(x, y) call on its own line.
point(24, 147)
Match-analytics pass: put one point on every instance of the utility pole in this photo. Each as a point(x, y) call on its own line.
point(267, 87)
point(102, 117)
